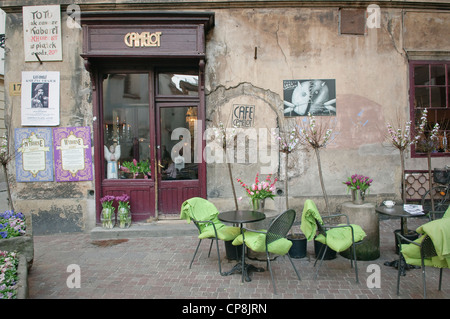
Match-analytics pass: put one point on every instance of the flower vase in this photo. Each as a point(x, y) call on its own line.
point(258, 204)
point(107, 218)
point(124, 217)
point(358, 196)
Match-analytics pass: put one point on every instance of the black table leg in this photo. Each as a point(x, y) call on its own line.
point(248, 269)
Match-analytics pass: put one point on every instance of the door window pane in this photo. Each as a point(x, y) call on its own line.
point(126, 125)
point(178, 83)
point(177, 142)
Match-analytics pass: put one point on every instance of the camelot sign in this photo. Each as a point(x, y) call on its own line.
point(144, 39)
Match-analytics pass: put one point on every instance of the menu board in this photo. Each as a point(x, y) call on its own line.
point(34, 159)
point(72, 152)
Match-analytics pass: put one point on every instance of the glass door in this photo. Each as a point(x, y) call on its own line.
point(180, 174)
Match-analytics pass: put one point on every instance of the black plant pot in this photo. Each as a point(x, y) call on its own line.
point(233, 252)
point(298, 248)
point(329, 255)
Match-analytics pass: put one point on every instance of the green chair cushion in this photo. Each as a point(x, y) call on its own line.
point(340, 239)
point(224, 232)
point(309, 216)
point(257, 242)
point(439, 232)
point(201, 209)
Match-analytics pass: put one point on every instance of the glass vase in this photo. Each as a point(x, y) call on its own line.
point(258, 204)
point(107, 218)
point(124, 217)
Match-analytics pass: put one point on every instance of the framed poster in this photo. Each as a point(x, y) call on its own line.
point(42, 33)
point(34, 159)
point(40, 98)
point(317, 97)
point(72, 152)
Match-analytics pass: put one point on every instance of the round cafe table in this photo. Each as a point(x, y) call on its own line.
point(242, 217)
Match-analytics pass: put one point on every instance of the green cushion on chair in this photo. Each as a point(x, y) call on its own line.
point(201, 209)
point(309, 216)
point(224, 232)
point(340, 239)
point(257, 242)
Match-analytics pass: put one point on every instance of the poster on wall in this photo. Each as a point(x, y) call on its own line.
point(42, 33)
point(317, 97)
point(40, 98)
point(34, 159)
point(72, 152)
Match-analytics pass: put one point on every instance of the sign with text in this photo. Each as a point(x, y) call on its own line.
point(72, 152)
point(34, 162)
point(243, 115)
point(40, 98)
point(42, 33)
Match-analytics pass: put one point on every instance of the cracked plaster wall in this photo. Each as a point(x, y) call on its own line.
point(54, 207)
point(371, 74)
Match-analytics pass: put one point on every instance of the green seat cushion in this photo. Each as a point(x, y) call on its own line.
point(257, 242)
point(309, 216)
point(340, 239)
point(439, 232)
point(201, 209)
point(224, 232)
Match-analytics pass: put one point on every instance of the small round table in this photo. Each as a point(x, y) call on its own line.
point(241, 217)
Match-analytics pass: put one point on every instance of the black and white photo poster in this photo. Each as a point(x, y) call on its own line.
point(315, 97)
point(40, 98)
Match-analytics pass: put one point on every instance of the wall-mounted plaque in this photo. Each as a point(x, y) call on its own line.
point(34, 158)
point(72, 152)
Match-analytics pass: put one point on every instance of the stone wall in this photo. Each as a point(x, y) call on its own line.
point(250, 51)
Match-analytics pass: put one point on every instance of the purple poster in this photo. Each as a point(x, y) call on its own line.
point(72, 153)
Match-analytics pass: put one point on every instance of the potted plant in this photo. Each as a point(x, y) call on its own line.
point(401, 138)
point(259, 191)
point(9, 263)
point(288, 142)
point(315, 136)
point(123, 211)
point(137, 169)
point(358, 185)
point(107, 214)
point(13, 236)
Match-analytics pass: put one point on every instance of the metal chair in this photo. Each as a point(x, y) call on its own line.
point(427, 250)
point(278, 229)
point(203, 214)
point(323, 229)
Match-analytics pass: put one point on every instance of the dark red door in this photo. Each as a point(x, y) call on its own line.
point(153, 120)
point(180, 166)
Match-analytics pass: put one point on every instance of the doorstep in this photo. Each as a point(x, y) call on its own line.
point(161, 228)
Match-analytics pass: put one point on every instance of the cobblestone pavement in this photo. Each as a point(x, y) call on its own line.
point(158, 267)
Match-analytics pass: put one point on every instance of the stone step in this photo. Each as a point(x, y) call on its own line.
point(163, 228)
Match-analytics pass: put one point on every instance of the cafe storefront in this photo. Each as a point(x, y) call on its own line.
point(147, 72)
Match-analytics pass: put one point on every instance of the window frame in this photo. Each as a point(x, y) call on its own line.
point(413, 109)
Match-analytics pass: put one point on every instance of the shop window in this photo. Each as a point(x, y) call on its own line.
point(126, 123)
point(430, 89)
point(180, 83)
